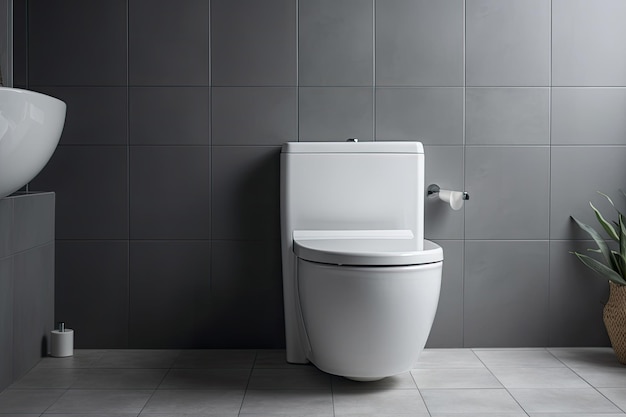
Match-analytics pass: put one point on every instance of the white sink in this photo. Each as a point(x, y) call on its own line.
point(30, 127)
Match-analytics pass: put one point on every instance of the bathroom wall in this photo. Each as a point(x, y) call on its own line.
point(26, 282)
point(167, 173)
point(6, 44)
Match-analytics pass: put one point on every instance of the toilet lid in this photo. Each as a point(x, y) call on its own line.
point(363, 247)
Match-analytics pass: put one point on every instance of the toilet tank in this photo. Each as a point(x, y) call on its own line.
point(352, 186)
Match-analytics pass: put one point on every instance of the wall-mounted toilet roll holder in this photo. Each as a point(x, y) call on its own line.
point(433, 191)
point(454, 198)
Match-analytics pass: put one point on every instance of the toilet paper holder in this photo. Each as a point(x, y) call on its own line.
point(433, 192)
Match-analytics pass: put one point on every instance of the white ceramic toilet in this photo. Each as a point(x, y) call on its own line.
point(361, 285)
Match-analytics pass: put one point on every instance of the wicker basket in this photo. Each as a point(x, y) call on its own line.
point(615, 320)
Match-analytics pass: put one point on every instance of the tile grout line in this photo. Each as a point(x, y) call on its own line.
point(500, 382)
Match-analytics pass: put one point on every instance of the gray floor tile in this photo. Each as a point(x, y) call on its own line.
point(595, 357)
point(469, 401)
point(448, 358)
point(517, 358)
point(203, 402)
point(519, 414)
point(101, 401)
point(234, 414)
point(539, 378)
point(616, 395)
point(402, 381)
point(28, 401)
point(563, 400)
point(455, 378)
point(119, 379)
point(82, 358)
point(275, 359)
point(571, 415)
point(91, 415)
point(224, 379)
point(288, 402)
point(217, 359)
point(603, 377)
point(48, 378)
point(452, 382)
point(20, 415)
point(303, 378)
point(376, 402)
point(273, 415)
point(137, 358)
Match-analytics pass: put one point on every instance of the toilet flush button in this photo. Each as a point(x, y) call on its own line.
point(352, 140)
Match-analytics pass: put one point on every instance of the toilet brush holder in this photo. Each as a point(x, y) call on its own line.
point(61, 342)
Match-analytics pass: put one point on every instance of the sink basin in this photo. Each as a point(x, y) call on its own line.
point(30, 127)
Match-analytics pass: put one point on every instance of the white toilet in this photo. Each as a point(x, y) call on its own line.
point(361, 285)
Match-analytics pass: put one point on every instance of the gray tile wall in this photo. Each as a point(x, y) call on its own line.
point(6, 43)
point(167, 174)
point(26, 282)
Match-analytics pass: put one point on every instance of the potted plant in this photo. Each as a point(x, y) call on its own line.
point(612, 267)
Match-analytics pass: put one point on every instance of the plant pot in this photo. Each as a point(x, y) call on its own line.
point(614, 316)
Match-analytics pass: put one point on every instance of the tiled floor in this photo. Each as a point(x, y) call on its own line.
point(559, 382)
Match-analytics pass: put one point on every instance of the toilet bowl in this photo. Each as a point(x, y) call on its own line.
point(360, 296)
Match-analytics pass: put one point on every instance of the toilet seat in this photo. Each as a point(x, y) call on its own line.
point(364, 247)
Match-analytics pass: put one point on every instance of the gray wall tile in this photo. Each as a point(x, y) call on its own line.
point(508, 43)
point(33, 311)
point(169, 45)
point(6, 43)
point(248, 293)
point(6, 227)
point(174, 275)
point(419, 43)
point(583, 50)
point(254, 115)
point(95, 115)
point(6, 321)
point(264, 38)
point(33, 220)
point(91, 292)
point(444, 167)
point(20, 45)
point(510, 192)
point(71, 42)
point(507, 116)
point(447, 330)
point(335, 45)
point(90, 183)
point(433, 116)
point(245, 193)
point(169, 115)
point(169, 187)
point(336, 113)
point(577, 173)
point(577, 296)
point(506, 297)
point(79, 53)
point(588, 116)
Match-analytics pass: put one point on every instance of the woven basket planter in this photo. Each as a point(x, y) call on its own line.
point(615, 320)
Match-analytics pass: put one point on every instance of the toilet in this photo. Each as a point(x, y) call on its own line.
point(360, 283)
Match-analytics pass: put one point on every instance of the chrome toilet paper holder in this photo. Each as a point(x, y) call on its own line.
point(433, 192)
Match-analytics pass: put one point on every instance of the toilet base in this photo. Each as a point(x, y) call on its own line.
point(357, 379)
point(367, 323)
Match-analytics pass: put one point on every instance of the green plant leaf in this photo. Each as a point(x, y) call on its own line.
point(606, 225)
point(608, 198)
point(602, 246)
point(601, 269)
point(619, 265)
point(622, 240)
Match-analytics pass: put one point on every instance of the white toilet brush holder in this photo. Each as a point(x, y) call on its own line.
point(61, 342)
